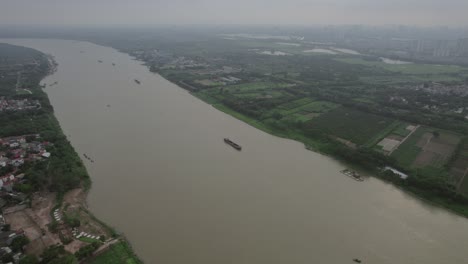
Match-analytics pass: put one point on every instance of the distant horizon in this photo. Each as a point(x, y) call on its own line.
point(425, 13)
point(239, 25)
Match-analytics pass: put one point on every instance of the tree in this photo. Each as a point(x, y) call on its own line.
point(53, 227)
point(18, 243)
point(67, 259)
point(87, 250)
point(51, 253)
point(277, 115)
point(29, 259)
point(436, 134)
point(7, 258)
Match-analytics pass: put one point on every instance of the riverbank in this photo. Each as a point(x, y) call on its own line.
point(52, 182)
point(84, 227)
point(362, 159)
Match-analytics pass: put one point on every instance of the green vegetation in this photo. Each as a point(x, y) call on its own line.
point(29, 259)
point(18, 243)
point(57, 255)
point(408, 151)
point(119, 253)
point(87, 251)
point(350, 124)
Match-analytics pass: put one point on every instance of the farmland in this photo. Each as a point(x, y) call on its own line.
point(357, 107)
point(350, 124)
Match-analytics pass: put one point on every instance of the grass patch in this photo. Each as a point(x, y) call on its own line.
point(401, 130)
point(378, 137)
point(119, 253)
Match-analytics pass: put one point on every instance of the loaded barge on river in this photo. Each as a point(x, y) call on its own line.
point(352, 174)
point(232, 144)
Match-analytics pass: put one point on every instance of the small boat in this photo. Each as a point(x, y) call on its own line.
point(137, 81)
point(100, 61)
point(113, 64)
point(357, 260)
point(108, 105)
point(232, 144)
point(352, 174)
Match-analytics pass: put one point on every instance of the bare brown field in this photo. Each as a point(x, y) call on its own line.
point(435, 150)
point(33, 221)
point(459, 170)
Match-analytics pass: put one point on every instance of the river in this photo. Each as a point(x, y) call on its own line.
point(163, 176)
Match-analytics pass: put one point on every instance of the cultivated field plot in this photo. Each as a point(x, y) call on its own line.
point(427, 147)
point(305, 109)
point(459, 169)
point(255, 86)
point(350, 124)
point(396, 134)
point(255, 90)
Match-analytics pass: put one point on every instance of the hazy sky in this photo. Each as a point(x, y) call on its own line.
point(377, 12)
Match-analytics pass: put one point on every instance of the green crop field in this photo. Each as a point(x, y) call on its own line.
point(296, 103)
point(401, 130)
point(319, 106)
point(255, 86)
point(350, 124)
point(407, 152)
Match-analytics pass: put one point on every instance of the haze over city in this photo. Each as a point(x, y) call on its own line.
point(373, 12)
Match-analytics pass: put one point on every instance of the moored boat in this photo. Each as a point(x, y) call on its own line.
point(352, 174)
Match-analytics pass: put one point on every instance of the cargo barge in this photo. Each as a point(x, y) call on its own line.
point(232, 144)
point(352, 174)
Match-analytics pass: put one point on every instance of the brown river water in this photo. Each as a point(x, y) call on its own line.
point(164, 177)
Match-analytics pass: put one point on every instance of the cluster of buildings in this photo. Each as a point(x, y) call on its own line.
point(15, 151)
point(183, 63)
point(439, 88)
point(18, 105)
point(6, 239)
point(165, 60)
